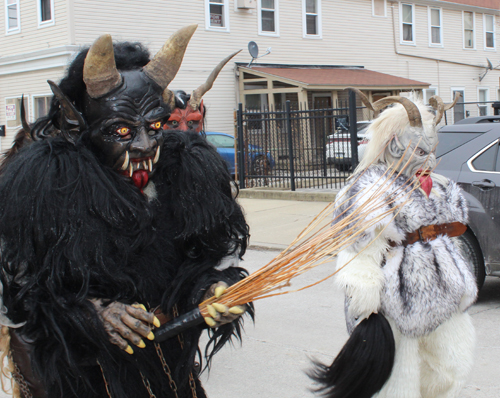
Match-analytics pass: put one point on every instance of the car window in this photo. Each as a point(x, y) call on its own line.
point(451, 141)
point(487, 160)
point(221, 141)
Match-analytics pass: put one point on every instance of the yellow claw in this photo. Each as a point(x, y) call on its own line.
point(141, 344)
point(143, 307)
point(220, 307)
point(219, 291)
point(211, 310)
point(151, 336)
point(236, 310)
point(129, 350)
point(210, 322)
point(156, 322)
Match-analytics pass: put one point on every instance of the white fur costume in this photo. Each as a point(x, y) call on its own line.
point(423, 289)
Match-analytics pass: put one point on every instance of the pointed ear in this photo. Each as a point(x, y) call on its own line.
point(24, 122)
point(394, 148)
point(71, 121)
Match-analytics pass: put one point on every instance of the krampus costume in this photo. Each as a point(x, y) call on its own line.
point(105, 215)
point(407, 284)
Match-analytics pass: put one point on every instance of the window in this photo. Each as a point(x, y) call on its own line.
point(217, 15)
point(428, 93)
point(41, 105)
point(483, 96)
point(407, 24)
point(268, 17)
point(459, 108)
point(12, 17)
point(489, 31)
point(487, 159)
point(311, 18)
point(435, 27)
point(468, 29)
point(379, 8)
point(13, 111)
point(45, 12)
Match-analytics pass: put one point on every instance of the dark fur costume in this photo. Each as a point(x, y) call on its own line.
point(72, 229)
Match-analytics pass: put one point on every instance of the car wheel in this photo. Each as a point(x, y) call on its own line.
point(474, 255)
point(261, 166)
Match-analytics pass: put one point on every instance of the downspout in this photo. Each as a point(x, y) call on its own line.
point(421, 56)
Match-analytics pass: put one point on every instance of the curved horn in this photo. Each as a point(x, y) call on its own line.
point(363, 97)
point(197, 95)
point(166, 63)
point(437, 103)
point(411, 108)
point(99, 71)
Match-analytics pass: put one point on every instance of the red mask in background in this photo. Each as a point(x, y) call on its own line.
point(186, 119)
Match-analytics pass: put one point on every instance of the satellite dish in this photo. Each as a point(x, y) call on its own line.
point(490, 65)
point(253, 49)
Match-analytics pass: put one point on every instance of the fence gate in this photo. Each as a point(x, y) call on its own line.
point(296, 147)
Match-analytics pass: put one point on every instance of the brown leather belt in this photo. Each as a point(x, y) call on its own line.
point(431, 232)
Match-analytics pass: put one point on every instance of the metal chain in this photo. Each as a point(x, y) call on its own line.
point(145, 381)
point(21, 382)
point(166, 369)
point(105, 381)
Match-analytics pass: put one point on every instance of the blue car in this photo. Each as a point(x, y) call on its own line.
point(260, 162)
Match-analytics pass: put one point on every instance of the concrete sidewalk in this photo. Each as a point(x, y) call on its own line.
point(275, 223)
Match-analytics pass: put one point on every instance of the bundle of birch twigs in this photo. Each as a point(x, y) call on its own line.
point(322, 239)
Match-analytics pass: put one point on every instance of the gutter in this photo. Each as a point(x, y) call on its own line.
point(422, 56)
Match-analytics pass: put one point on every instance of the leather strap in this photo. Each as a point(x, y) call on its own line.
point(431, 232)
point(163, 318)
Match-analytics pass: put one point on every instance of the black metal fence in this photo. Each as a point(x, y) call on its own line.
point(294, 147)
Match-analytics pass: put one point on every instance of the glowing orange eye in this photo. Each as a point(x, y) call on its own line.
point(123, 131)
point(155, 125)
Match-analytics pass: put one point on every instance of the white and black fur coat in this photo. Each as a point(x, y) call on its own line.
point(419, 286)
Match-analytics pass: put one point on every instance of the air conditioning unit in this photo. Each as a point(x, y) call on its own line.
point(247, 4)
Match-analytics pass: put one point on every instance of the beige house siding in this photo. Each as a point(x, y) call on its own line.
point(351, 35)
point(32, 37)
point(30, 84)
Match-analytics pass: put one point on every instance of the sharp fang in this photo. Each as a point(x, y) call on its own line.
point(150, 165)
point(130, 169)
point(157, 156)
point(126, 162)
point(144, 165)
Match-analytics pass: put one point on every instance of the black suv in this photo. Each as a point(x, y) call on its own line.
point(468, 153)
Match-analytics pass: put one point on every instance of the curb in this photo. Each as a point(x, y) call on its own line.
point(305, 196)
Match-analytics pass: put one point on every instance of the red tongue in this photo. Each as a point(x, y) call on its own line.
point(140, 178)
point(425, 182)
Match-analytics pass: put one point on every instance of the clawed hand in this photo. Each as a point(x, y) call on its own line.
point(220, 314)
point(126, 323)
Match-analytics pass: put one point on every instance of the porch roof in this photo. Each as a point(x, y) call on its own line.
point(332, 77)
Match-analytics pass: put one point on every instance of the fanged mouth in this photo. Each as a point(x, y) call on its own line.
point(133, 164)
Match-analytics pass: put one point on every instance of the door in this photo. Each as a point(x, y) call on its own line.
point(459, 108)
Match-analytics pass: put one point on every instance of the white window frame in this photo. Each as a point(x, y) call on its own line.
point(276, 32)
point(473, 30)
point(431, 44)
point(27, 110)
point(461, 100)
point(319, 35)
point(385, 10)
point(18, 28)
point(405, 42)
point(225, 4)
point(487, 89)
point(494, 48)
point(33, 98)
point(424, 92)
point(49, 22)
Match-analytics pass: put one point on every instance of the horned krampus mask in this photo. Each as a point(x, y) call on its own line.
point(189, 111)
point(405, 136)
point(124, 111)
